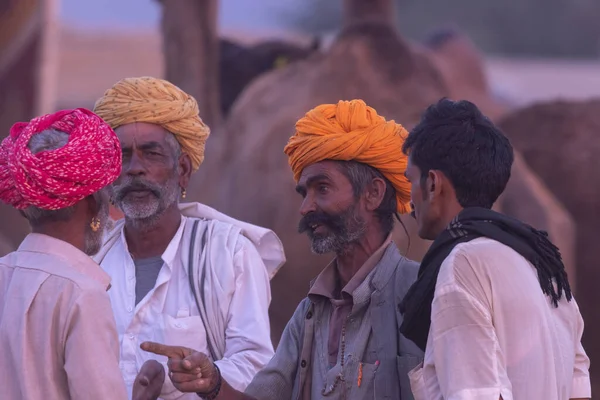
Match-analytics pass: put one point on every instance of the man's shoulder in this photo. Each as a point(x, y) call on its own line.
point(406, 269)
point(217, 227)
point(479, 260)
point(63, 278)
point(302, 311)
point(223, 235)
point(478, 245)
point(482, 251)
point(65, 275)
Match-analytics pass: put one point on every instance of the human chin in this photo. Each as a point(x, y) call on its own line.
point(140, 208)
point(324, 244)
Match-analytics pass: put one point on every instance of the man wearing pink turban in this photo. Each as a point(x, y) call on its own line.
point(57, 330)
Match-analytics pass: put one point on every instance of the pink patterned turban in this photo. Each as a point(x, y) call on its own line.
point(56, 179)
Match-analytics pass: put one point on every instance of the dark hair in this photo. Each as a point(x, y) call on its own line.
point(360, 176)
point(455, 138)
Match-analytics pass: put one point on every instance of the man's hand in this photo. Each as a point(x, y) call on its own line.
point(148, 383)
point(189, 370)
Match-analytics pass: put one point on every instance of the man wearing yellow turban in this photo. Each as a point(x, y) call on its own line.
point(181, 273)
point(342, 342)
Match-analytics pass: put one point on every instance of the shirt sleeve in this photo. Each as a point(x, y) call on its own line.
point(248, 346)
point(92, 349)
point(581, 387)
point(468, 360)
point(276, 380)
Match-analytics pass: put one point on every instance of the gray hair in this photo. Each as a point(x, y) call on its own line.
point(174, 145)
point(360, 176)
point(50, 139)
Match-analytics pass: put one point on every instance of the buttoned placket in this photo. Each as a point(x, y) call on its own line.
point(128, 346)
point(153, 301)
point(305, 378)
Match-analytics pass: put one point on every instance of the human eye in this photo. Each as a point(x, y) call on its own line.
point(323, 188)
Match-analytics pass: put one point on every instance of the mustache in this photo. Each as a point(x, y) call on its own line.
point(335, 222)
point(134, 184)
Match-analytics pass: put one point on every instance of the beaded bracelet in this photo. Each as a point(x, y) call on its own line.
point(212, 395)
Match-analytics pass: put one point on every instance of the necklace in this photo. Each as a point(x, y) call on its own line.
point(340, 377)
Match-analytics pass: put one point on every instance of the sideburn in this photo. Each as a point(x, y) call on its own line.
point(423, 184)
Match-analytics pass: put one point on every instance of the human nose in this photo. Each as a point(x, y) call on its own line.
point(135, 166)
point(308, 205)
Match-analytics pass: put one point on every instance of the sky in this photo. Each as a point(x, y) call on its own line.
point(135, 14)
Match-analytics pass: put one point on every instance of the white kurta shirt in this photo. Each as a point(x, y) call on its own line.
point(168, 313)
point(493, 332)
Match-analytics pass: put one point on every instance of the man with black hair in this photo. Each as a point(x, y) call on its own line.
point(492, 307)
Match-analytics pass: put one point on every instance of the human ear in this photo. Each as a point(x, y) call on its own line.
point(184, 168)
point(434, 184)
point(374, 194)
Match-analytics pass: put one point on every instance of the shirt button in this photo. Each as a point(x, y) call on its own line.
point(129, 309)
point(303, 364)
point(131, 337)
point(309, 315)
point(130, 277)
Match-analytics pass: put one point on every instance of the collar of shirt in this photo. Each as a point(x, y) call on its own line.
point(77, 259)
point(327, 282)
point(170, 253)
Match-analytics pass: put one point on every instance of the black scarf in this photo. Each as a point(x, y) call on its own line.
point(470, 224)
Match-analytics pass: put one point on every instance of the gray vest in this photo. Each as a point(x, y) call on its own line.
point(396, 355)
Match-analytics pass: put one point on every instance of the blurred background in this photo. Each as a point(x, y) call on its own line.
point(256, 66)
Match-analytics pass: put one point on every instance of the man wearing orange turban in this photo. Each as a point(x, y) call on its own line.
point(352, 131)
point(182, 273)
point(342, 341)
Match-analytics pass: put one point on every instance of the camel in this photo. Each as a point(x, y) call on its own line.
point(462, 67)
point(559, 140)
point(239, 64)
point(246, 174)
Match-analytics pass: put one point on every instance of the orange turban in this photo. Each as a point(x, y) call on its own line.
point(159, 102)
point(351, 131)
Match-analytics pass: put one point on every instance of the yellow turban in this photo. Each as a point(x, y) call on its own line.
point(159, 102)
point(351, 131)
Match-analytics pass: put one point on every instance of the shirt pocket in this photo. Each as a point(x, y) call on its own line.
point(184, 331)
point(406, 363)
point(367, 381)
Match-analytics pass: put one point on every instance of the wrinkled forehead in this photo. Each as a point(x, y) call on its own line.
point(326, 169)
point(140, 133)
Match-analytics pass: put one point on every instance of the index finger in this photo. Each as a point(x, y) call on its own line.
point(161, 349)
point(183, 365)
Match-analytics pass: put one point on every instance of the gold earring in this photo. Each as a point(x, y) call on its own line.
point(95, 224)
point(183, 193)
